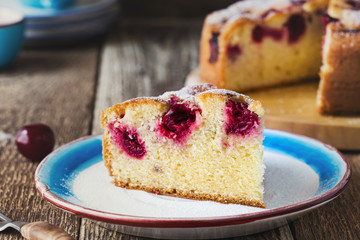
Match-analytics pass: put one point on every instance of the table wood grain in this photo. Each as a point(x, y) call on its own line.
point(67, 88)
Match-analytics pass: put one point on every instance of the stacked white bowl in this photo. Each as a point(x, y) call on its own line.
point(82, 20)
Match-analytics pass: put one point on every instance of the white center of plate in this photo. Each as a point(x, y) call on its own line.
point(287, 181)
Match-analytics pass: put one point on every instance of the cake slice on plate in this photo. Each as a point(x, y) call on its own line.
point(200, 143)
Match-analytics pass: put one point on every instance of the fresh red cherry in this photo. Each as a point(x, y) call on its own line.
point(35, 141)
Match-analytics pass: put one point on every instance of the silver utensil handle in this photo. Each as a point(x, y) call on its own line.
point(44, 230)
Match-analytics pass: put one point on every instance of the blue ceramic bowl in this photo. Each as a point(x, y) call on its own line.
point(11, 35)
point(53, 4)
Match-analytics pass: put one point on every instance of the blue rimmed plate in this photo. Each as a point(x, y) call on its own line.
point(301, 174)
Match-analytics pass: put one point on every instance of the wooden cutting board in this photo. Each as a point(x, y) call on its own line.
point(292, 108)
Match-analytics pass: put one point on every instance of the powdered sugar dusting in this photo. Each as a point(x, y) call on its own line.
point(351, 19)
point(287, 181)
point(188, 93)
point(251, 9)
point(347, 12)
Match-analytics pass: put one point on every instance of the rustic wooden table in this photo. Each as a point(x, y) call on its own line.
point(67, 87)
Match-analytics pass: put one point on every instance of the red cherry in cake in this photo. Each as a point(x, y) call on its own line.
point(274, 33)
point(127, 139)
point(233, 52)
point(35, 141)
point(179, 120)
point(240, 120)
point(260, 32)
point(214, 48)
point(296, 26)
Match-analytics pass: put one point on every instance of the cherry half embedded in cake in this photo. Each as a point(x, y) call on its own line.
point(178, 122)
point(233, 52)
point(296, 26)
point(240, 120)
point(214, 48)
point(127, 139)
point(260, 32)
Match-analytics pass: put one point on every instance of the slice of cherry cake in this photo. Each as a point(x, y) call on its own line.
point(200, 143)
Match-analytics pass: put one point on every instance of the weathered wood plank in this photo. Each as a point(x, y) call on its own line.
point(145, 59)
point(55, 87)
point(338, 219)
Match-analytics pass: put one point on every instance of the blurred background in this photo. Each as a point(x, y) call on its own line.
point(174, 8)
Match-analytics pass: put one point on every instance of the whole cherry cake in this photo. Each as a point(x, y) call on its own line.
point(262, 43)
point(199, 142)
